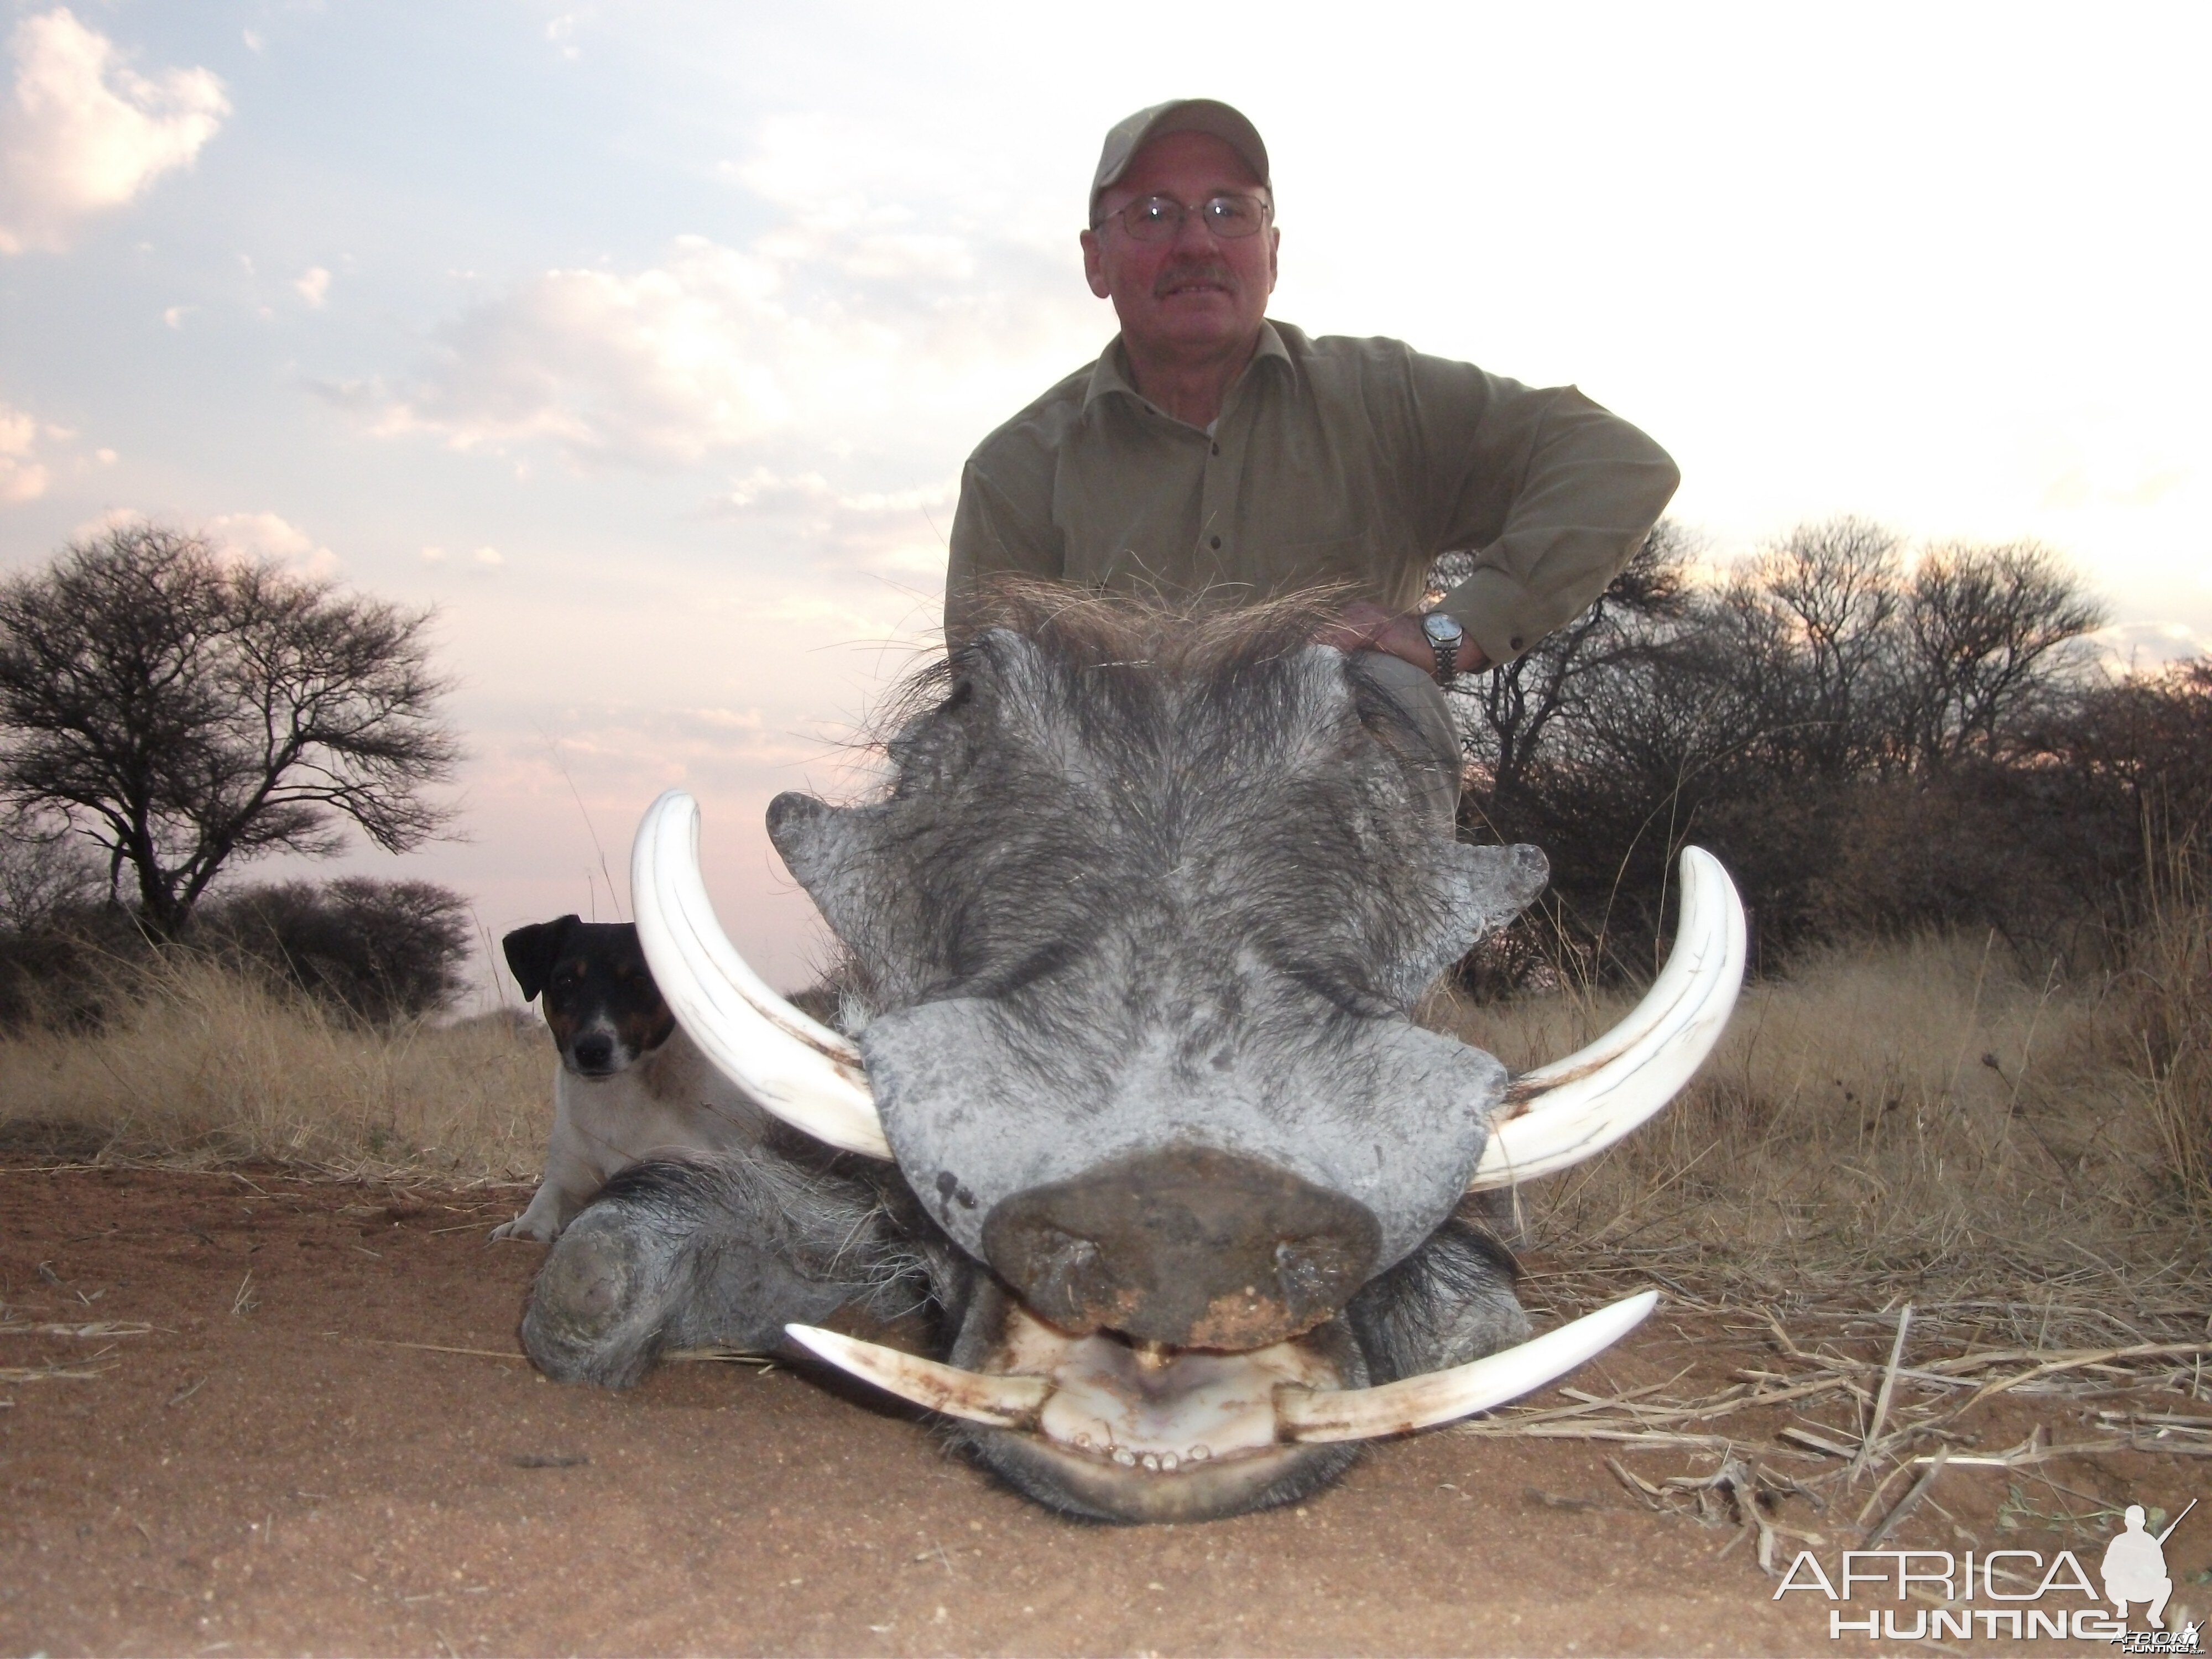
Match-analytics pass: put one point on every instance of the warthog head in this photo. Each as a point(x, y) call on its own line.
point(1137, 930)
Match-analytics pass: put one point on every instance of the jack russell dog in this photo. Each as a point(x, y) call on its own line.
point(630, 1085)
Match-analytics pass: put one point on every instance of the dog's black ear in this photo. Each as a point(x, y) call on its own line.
point(531, 953)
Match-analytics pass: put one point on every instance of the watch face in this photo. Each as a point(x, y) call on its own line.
point(1442, 630)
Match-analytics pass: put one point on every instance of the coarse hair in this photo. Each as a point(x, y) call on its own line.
point(1128, 643)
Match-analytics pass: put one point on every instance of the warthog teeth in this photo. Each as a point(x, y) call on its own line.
point(1004, 1402)
point(1302, 1415)
point(1418, 1402)
point(796, 1068)
point(1566, 1111)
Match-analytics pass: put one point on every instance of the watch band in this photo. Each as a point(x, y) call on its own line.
point(1447, 659)
point(1444, 646)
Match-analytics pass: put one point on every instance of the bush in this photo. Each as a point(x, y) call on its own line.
point(1873, 740)
point(374, 952)
point(46, 875)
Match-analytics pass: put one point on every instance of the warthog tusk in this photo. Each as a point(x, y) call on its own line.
point(812, 1079)
point(796, 1068)
point(1004, 1402)
point(1420, 1402)
point(1302, 1416)
point(1561, 1114)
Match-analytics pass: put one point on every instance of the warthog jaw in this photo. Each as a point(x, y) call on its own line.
point(812, 1077)
point(1174, 1412)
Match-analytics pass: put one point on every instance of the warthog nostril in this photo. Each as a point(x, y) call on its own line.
point(1066, 1269)
point(1312, 1272)
point(1191, 1247)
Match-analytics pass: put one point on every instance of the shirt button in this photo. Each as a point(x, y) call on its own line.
point(1217, 449)
point(1215, 543)
point(1514, 641)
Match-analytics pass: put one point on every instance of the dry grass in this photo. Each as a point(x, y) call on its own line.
point(1912, 1118)
point(1945, 1200)
point(2166, 1018)
point(1900, 1121)
point(204, 1067)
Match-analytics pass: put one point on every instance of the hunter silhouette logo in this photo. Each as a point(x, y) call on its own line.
point(2133, 1570)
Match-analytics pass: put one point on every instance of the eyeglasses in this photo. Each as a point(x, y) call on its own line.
point(1158, 218)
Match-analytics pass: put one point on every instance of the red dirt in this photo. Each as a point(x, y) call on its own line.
point(276, 1471)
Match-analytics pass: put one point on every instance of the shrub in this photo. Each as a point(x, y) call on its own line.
point(374, 950)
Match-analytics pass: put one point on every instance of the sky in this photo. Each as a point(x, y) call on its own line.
point(645, 342)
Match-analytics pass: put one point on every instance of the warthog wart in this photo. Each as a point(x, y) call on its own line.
point(1132, 1107)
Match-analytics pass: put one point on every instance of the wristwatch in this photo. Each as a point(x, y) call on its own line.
point(1444, 635)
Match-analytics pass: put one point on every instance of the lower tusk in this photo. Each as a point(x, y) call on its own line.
point(1004, 1402)
point(1420, 1402)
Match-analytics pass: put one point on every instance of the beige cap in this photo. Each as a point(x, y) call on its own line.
point(1206, 115)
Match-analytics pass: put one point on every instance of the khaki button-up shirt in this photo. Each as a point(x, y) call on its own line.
point(1333, 461)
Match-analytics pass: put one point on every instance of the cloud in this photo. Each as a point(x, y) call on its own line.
point(623, 754)
point(313, 285)
point(83, 134)
point(2143, 647)
point(30, 451)
point(896, 532)
point(844, 325)
point(23, 475)
point(560, 34)
point(661, 366)
point(265, 536)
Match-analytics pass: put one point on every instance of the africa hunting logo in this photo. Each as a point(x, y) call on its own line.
point(2133, 1570)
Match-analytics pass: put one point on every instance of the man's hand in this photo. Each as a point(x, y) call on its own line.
point(1364, 627)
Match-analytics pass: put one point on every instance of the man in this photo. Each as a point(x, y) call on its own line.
point(1211, 455)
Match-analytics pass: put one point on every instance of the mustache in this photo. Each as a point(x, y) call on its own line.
point(1185, 271)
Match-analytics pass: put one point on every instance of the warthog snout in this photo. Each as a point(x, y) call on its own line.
point(1190, 1247)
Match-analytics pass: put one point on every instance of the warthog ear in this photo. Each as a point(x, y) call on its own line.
point(1496, 884)
point(825, 848)
point(809, 836)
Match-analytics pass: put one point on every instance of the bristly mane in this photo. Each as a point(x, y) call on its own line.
point(1084, 627)
point(1083, 630)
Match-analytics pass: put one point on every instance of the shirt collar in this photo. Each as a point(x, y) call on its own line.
point(1109, 375)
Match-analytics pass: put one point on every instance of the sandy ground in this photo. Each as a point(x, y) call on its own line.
point(290, 1464)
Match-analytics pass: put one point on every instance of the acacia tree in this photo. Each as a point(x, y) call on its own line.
point(1990, 628)
point(183, 710)
point(1834, 586)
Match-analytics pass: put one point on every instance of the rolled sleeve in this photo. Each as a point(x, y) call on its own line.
point(1554, 493)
